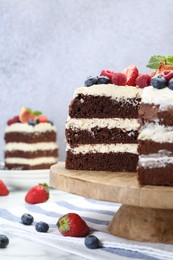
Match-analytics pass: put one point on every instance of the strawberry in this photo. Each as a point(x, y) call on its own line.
point(107, 73)
point(37, 194)
point(42, 119)
point(72, 225)
point(119, 78)
point(167, 74)
point(3, 189)
point(143, 80)
point(131, 73)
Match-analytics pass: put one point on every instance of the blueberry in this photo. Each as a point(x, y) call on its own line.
point(158, 81)
point(92, 242)
point(32, 122)
point(42, 226)
point(170, 84)
point(91, 81)
point(103, 80)
point(4, 241)
point(27, 219)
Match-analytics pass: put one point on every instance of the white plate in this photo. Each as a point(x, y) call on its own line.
point(23, 178)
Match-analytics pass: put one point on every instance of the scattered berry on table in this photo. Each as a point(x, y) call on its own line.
point(92, 242)
point(42, 226)
point(143, 80)
point(91, 81)
point(119, 78)
point(170, 84)
point(3, 189)
point(4, 241)
point(27, 219)
point(158, 81)
point(103, 80)
point(72, 225)
point(37, 194)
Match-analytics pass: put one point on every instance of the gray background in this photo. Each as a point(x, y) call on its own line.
point(49, 47)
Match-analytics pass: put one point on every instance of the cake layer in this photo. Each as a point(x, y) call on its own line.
point(157, 133)
point(156, 160)
point(26, 128)
point(32, 163)
point(44, 146)
point(34, 137)
point(156, 176)
point(102, 161)
point(149, 146)
point(98, 136)
point(152, 113)
point(29, 154)
point(103, 107)
point(103, 148)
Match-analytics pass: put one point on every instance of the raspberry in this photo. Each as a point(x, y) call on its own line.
point(131, 73)
point(119, 78)
point(107, 73)
point(13, 120)
point(42, 119)
point(167, 74)
point(143, 80)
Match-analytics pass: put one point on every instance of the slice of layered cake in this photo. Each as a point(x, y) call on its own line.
point(102, 125)
point(30, 142)
point(155, 149)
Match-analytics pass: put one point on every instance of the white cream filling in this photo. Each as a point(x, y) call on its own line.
point(162, 97)
point(154, 160)
point(30, 147)
point(110, 90)
point(88, 124)
point(24, 127)
point(157, 133)
point(104, 148)
point(32, 162)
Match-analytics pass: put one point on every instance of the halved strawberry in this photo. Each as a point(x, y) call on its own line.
point(131, 73)
point(119, 78)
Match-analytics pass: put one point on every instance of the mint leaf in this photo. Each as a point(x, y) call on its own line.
point(155, 61)
point(37, 113)
point(169, 60)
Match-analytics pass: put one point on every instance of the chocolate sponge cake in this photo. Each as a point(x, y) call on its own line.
point(155, 149)
point(30, 142)
point(102, 128)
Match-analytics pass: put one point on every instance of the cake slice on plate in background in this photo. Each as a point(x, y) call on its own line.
point(30, 141)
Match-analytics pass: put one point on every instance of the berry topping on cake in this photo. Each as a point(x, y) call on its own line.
point(90, 81)
point(143, 80)
point(119, 78)
point(158, 81)
point(42, 119)
point(167, 74)
point(13, 120)
point(103, 80)
point(131, 73)
point(170, 84)
point(107, 73)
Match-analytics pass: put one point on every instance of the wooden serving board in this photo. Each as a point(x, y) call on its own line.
point(146, 213)
point(111, 186)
